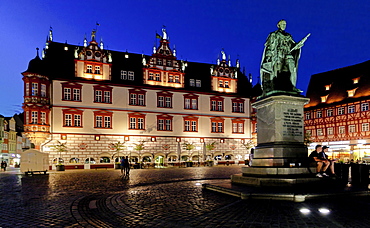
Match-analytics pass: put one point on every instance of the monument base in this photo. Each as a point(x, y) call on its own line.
point(273, 181)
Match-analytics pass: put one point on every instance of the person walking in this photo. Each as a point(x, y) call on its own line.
point(4, 165)
point(126, 166)
point(122, 164)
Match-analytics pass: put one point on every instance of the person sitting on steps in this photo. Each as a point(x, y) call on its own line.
point(321, 164)
point(323, 156)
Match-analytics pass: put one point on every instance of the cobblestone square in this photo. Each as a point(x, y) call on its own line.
point(157, 198)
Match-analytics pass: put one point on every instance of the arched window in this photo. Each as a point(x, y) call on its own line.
point(74, 160)
point(90, 160)
point(104, 160)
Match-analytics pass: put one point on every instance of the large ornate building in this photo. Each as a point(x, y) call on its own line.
point(338, 113)
point(90, 98)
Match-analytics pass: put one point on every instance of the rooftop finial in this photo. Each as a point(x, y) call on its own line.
point(50, 37)
point(37, 52)
point(165, 37)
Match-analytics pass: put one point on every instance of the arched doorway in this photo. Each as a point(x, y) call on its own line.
point(159, 161)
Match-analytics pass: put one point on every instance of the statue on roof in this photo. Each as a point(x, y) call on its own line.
point(93, 34)
point(223, 55)
point(165, 37)
point(280, 61)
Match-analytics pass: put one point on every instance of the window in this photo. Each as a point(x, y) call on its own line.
point(97, 69)
point(157, 77)
point(192, 82)
point(198, 83)
point(34, 117)
point(217, 125)
point(364, 107)
point(308, 115)
point(43, 90)
point(27, 90)
point(151, 76)
point(164, 123)
point(191, 101)
point(318, 114)
point(89, 69)
point(237, 105)
point(365, 127)
point(340, 110)
point(103, 119)
point(164, 100)
point(237, 126)
point(102, 94)
point(123, 75)
point(34, 89)
point(43, 118)
point(330, 131)
point(67, 94)
point(190, 124)
point(159, 61)
point(71, 91)
point(76, 94)
point(217, 104)
point(72, 118)
point(131, 75)
point(224, 83)
point(329, 112)
point(170, 78)
point(352, 128)
point(137, 121)
point(342, 130)
point(351, 109)
point(177, 79)
point(319, 132)
point(137, 97)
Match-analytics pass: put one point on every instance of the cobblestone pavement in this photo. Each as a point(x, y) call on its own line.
point(157, 198)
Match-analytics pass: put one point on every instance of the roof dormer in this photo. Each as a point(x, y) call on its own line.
point(224, 75)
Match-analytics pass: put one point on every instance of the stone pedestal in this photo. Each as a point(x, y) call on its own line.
point(280, 150)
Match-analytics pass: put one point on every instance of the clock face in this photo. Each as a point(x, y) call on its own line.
point(227, 71)
point(88, 53)
point(97, 54)
point(220, 70)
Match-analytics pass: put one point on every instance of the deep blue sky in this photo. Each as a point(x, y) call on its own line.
point(199, 28)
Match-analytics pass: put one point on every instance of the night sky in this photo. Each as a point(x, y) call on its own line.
point(340, 32)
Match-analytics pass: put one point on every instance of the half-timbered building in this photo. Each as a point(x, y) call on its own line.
point(338, 113)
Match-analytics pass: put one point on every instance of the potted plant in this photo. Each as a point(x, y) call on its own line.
point(118, 146)
point(60, 147)
point(188, 146)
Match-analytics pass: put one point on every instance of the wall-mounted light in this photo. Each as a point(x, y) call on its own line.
point(242, 140)
point(202, 140)
point(127, 138)
point(222, 140)
point(97, 137)
point(153, 139)
point(178, 139)
point(63, 137)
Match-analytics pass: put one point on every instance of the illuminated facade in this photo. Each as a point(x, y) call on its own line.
point(91, 98)
point(338, 113)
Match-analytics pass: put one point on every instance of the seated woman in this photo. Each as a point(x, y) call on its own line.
point(324, 157)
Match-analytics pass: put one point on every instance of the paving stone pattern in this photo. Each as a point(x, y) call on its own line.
point(157, 198)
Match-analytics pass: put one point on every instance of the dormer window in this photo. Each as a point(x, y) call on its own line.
point(226, 84)
point(192, 82)
point(97, 69)
point(198, 83)
point(159, 61)
point(351, 92)
point(355, 80)
point(89, 69)
point(324, 98)
point(327, 87)
point(126, 56)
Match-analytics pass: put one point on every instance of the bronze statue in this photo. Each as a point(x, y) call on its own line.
point(280, 61)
